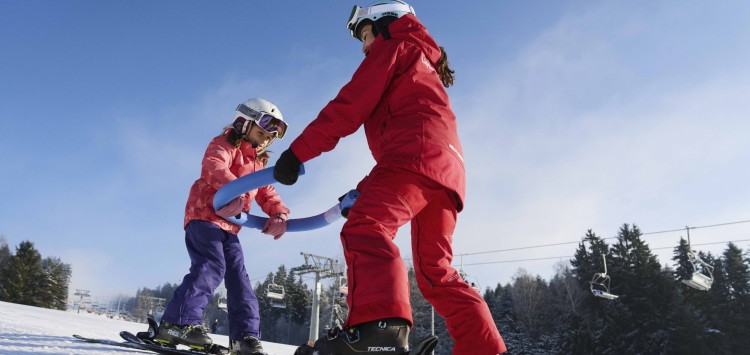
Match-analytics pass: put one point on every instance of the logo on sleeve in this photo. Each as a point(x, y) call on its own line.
point(427, 63)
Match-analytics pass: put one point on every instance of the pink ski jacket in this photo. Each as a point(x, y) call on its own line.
point(397, 95)
point(221, 164)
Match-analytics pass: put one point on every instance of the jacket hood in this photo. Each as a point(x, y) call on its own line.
point(408, 28)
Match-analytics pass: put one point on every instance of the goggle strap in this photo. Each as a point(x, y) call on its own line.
point(384, 8)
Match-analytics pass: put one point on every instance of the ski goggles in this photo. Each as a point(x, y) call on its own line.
point(362, 12)
point(266, 121)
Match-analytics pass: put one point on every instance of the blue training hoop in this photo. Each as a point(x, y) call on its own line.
point(265, 177)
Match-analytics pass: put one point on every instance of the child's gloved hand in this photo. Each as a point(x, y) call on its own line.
point(276, 225)
point(287, 168)
point(232, 208)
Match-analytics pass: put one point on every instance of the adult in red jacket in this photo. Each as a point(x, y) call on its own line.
point(398, 94)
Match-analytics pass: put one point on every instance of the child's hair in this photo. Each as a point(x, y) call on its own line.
point(445, 72)
point(233, 137)
point(263, 158)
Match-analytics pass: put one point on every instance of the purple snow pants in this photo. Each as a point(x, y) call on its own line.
point(215, 254)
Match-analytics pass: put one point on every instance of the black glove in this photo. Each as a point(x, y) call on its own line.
point(287, 168)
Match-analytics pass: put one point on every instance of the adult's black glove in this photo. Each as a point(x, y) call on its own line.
point(287, 168)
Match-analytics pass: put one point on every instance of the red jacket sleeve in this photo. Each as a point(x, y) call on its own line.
point(353, 104)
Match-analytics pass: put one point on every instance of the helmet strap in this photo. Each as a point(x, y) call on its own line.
point(242, 125)
point(381, 26)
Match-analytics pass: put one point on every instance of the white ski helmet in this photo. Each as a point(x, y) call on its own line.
point(361, 15)
point(265, 114)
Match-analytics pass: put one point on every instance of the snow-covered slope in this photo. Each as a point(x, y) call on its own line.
point(32, 330)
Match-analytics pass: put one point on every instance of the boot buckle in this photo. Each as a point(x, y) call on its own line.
point(352, 335)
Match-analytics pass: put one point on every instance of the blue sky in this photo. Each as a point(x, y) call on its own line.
point(573, 115)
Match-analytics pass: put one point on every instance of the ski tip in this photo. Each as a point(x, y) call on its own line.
point(425, 346)
point(128, 336)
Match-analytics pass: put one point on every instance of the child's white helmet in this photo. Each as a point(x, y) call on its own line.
point(265, 114)
point(379, 9)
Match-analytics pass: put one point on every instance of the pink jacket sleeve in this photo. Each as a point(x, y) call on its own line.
point(270, 201)
point(216, 163)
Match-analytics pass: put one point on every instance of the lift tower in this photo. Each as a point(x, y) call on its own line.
point(323, 268)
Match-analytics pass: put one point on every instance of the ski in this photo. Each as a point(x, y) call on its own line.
point(126, 344)
point(131, 338)
point(146, 340)
point(423, 347)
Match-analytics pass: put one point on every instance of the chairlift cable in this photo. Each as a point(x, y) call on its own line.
point(571, 256)
point(578, 241)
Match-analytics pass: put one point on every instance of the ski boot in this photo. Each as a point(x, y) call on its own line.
point(194, 336)
point(384, 336)
point(249, 345)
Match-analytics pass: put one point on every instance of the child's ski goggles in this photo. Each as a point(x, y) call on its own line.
point(266, 121)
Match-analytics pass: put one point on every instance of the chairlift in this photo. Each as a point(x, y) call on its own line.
point(275, 294)
point(222, 303)
point(699, 280)
point(599, 284)
point(343, 287)
point(470, 280)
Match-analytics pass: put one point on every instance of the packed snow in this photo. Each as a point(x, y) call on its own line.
point(32, 330)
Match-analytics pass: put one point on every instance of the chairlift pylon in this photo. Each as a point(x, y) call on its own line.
point(599, 284)
point(698, 279)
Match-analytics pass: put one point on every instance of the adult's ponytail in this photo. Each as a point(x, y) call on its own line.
point(445, 72)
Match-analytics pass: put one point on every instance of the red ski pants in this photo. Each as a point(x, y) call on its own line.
point(377, 276)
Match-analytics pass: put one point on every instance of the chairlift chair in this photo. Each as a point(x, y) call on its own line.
point(470, 280)
point(222, 303)
point(699, 280)
point(599, 284)
point(275, 294)
point(343, 287)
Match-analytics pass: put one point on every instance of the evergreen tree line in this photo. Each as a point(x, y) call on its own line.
point(27, 278)
point(655, 313)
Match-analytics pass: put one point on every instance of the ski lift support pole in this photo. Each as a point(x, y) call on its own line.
point(322, 267)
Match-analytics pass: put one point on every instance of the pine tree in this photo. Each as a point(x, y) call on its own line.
point(5, 256)
point(22, 276)
point(500, 303)
point(592, 327)
point(683, 267)
point(738, 282)
point(647, 295)
point(53, 286)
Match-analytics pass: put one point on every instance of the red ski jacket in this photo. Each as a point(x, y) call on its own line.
point(397, 95)
point(221, 164)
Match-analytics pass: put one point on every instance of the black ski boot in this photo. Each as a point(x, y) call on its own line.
point(249, 345)
point(384, 336)
point(193, 336)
